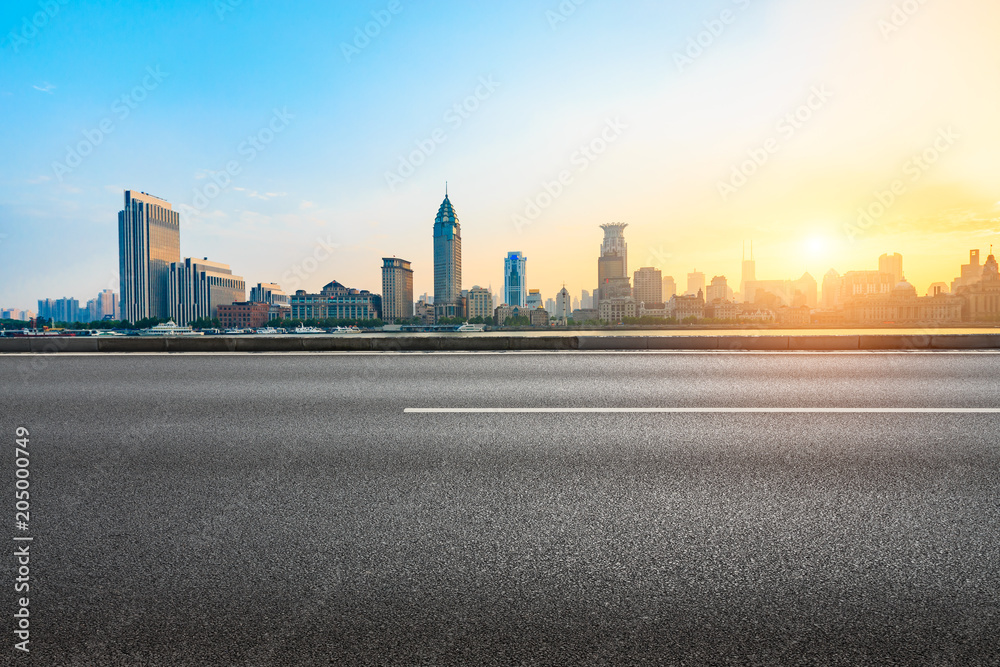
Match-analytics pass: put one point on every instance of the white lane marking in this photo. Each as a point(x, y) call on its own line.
point(717, 410)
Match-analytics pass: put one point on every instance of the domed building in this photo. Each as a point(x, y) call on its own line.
point(902, 306)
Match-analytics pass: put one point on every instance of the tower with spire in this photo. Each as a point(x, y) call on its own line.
point(447, 262)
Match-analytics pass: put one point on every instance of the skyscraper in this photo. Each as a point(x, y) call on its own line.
point(717, 290)
point(564, 306)
point(612, 265)
point(696, 282)
point(397, 289)
point(149, 239)
point(647, 287)
point(892, 264)
point(515, 277)
point(447, 262)
point(669, 287)
point(749, 273)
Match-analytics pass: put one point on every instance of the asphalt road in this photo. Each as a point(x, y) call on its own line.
point(284, 509)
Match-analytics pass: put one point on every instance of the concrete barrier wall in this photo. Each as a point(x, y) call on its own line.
point(404, 343)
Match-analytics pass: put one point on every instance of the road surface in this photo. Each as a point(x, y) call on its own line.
point(296, 509)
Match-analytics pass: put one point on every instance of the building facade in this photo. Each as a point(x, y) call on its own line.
point(515, 279)
point(902, 306)
point(270, 293)
point(695, 282)
point(447, 262)
point(683, 307)
point(981, 300)
point(718, 290)
point(892, 264)
point(149, 241)
point(334, 301)
point(647, 286)
point(197, 287)
point(564, 305)
point(669, 288)
point(614, 311)
point(480, 303)
point(244, 315)
point(397, 289)
point(612, 265)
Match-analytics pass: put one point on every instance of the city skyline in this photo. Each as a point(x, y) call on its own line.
point(145, 214)
point(693, 147)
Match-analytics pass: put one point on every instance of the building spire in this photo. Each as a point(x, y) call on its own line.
point(446, 189)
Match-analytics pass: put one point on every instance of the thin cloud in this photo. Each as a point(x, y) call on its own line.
point(47, 88)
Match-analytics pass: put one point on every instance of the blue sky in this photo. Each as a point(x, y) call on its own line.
point(163, 96)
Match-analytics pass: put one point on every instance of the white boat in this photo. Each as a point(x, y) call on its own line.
point(344, 330)
point(470, 327)
point(308, 330)
point(267, 331)
point(105, 332)
point(169, 329)
point(236, 332)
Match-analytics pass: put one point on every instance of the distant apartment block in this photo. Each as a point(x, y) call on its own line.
point(647, 286)
point(669, 288)
point(270, 293)
point(892, 264)
point(480, 303)
point(695, 282)
point(197, 287)
point(397, 289)
point(148, 243)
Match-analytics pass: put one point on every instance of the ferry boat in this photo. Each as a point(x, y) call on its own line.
point(169, 329)
point(236, 332)
point(307, 330)
point(344, 330)
point(470, 327)
point(267, 331)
